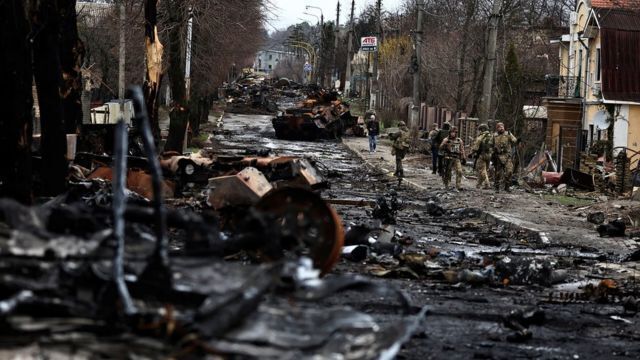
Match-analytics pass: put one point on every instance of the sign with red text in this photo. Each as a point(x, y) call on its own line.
point(369, 43)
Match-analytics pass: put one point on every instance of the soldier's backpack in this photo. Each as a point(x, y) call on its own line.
point(485, 144)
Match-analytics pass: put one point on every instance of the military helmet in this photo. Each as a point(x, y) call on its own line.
point(483, 127)
point(401, 123)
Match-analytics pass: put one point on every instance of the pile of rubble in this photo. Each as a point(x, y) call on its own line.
point(595, 173)
point(112, 268)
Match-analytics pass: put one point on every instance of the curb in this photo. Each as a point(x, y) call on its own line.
point(532, 233)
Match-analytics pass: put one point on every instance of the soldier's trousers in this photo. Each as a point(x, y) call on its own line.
point(482, 165)
point(435, 161)
point(504, 173)
point(451, 164)
point(399, 156)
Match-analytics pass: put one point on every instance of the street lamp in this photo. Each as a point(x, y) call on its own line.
point(317, 8)
point(319, 72)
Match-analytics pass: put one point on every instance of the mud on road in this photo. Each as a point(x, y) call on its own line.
point(494, 291)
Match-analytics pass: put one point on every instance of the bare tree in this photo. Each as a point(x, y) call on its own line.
point(60, 108)
point(16, 103)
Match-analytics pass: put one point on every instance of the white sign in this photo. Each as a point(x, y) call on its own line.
point(369, 43)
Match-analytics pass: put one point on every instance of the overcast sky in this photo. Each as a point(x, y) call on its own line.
point(289, 12)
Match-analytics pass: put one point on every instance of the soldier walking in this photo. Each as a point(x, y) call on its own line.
point(452, 149)
point(481, 151)
point(400, 147)
point(503, 142)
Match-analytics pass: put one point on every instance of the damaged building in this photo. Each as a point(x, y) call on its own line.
point(596, 96)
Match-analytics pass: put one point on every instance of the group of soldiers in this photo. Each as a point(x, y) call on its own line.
point(448, 154)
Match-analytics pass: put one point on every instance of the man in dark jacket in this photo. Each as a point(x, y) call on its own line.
point(373, 129)
point(433, 134)
point(442, 134)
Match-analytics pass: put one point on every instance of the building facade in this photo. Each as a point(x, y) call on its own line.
point(598, 86)
point(267, 60)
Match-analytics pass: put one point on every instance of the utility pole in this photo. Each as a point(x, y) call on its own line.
point(187, 67)
point(335, 46)
point(347, 78)
point(416, 68)
point(376, 57)
point(487, 88)
point(122, 57)
point(322, 50)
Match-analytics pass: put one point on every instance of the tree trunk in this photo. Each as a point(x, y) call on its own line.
point(179, 115)
point(199, 114)
point(466, 35)
point(71, 58)
point(153, 53)
point(45, 23)
point(179, 120)
point(16, 103)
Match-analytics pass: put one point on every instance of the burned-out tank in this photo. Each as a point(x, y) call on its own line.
point(320, 116)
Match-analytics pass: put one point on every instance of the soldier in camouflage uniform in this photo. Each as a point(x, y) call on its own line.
point(481, 151)
point(400, 147)
point(503, 142)
point(452, 149)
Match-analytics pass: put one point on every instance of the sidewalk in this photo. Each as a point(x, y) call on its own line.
point(551, 224)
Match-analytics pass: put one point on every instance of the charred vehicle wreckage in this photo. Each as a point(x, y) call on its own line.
point(306, 112)
point(320, 116)
point(120, 266)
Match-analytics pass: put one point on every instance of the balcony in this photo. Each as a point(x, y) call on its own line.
point(563, 86)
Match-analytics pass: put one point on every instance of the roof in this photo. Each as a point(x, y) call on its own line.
point(610, 4)
point(619, 19)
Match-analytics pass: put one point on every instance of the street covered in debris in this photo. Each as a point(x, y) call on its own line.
point(270, 201)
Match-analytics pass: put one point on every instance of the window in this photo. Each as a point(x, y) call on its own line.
point(270, 57)
point(598, 64)
point(270, 67)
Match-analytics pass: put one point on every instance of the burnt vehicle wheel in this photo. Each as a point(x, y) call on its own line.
point(308, 224)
